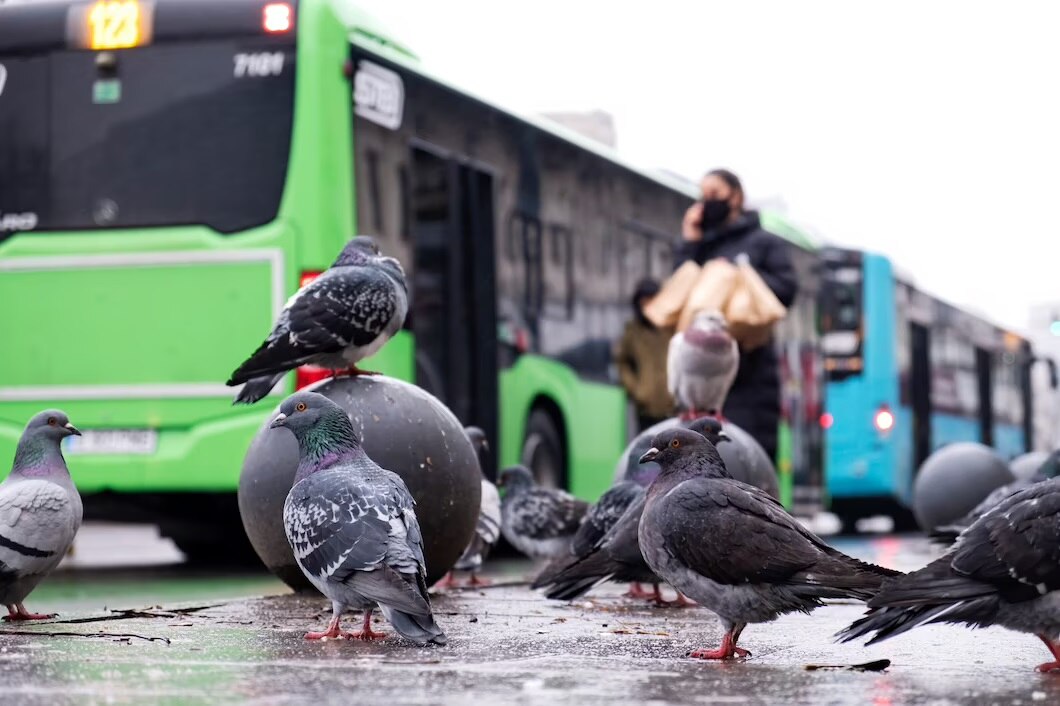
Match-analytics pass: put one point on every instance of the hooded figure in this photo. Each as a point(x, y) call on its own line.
point(641, 359)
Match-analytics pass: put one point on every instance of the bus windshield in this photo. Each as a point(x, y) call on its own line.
point(172, 134)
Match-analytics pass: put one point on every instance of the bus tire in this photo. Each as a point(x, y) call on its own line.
point(543, 450)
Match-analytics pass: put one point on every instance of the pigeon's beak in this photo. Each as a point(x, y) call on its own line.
point(722, 436)
point(649, 455)
point(279, 421)
point(74, 431)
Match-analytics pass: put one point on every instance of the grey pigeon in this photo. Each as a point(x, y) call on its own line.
point(488, 527)
point(352, 526)
point(539, 522)
point(701, 365)
point(1050, 468)
point(1004, 570)
point(40, 511)
point(609, 550)
point(732, 547)
point(341, 317)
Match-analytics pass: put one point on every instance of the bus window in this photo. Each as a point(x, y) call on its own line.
point(841, 318)
point(190, 133)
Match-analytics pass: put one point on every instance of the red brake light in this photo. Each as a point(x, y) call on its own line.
point(827, 420)
point(307, 277)
point(276, 17)
point(884, 420)
point(308, 374)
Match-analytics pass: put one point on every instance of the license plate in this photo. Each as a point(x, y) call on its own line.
point(112, 441)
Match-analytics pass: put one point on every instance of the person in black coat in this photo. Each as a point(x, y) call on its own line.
point(718, 227)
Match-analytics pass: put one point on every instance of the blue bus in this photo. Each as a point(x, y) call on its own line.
point(905, 375)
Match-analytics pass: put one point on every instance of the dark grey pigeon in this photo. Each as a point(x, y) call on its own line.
point(539, 522)
point(732, 547)
point(352, 526)
point(40, 511)
point(1004, 570)
point(614, 554)
point(1050, 468)
point(488, 527)
point(341, 317)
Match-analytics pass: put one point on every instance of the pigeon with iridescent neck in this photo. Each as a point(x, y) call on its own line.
point(352, 526)
point(40, 511)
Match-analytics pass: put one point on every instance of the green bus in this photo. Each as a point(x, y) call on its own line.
point(171, 171)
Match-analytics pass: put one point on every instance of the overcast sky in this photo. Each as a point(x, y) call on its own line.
point(929, 131)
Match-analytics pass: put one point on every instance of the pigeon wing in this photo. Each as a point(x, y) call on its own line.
point(35, 526)
point(337, 525)
point(546, 514)
point(732, 535)
point(489, 516)
point(350, 306)
point(1016, 546)
point(602, 516)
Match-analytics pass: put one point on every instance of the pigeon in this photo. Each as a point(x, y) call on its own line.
point(40, 511)
point(539, 522)
point(701, 365)
point(352, 526)
point(488, 528)
point(613, 554)
point(946, 534)
point(341, 317)
point(732, 547)
point(1004, 570)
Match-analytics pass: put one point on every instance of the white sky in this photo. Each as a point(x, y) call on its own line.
point(929, 131)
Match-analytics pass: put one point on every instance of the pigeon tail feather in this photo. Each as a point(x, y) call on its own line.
point(571, 579)
point(420, 629)
point(256, 388)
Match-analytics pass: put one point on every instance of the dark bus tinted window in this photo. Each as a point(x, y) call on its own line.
point(195, 133)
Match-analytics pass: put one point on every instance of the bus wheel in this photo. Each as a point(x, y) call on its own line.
point(543, 450)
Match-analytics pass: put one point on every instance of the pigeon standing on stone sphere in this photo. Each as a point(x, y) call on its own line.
point(488, 527)
point(732, 547)
point(539, 522)
point(701, 365)
point(352, 525)
point(1004, 570)
point(341, 317)
point(40, 511)
point(613, 554)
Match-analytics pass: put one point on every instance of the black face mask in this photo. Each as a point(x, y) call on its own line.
point(715, 211)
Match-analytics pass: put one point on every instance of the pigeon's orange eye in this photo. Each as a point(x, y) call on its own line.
point(300, 407)
point(52, 421)
point(675, 443)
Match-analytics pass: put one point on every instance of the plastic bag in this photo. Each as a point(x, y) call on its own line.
point(712, 290)
point(752, 309)
point(665, 307)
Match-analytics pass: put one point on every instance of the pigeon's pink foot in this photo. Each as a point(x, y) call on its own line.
point(18, 613)
point(332, 631)
point(1054, 647)
point(635, 591)
point(354, 371)
point(365, 633)
point(447, 581)
point(728, 649)
point(682, 601)
point(476, 581)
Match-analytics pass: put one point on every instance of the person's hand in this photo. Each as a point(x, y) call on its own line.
point(691, 229)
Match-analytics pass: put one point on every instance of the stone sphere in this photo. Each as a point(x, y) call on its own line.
point(402, 428)
point(1026, 465)
point(744, 457)
point(953, 480)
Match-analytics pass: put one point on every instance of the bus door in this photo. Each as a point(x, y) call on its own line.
point(984, 374)
point(920, 391)
point(453, 307)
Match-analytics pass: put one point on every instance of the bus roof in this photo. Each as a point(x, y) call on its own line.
point(367, 33)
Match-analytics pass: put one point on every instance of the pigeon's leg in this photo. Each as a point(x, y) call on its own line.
point(18, 612)
point(353, 371)
point(365, 633)
point(683, 601)
point(635, 591)
point(332, 631)
point(728, 649)
point(476, 581)
point(447, 581)
point(1054, 647)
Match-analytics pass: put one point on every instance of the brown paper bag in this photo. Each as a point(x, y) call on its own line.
point(665, 307)
point(711, 292)
point(753, 309)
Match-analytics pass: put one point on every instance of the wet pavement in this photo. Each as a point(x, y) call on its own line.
point(210, 643)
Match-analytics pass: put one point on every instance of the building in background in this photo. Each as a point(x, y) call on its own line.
point(597, 125)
